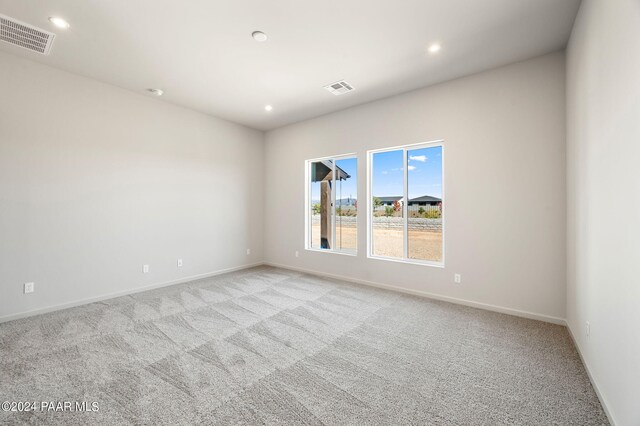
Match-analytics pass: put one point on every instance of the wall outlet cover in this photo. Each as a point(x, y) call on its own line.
point(29, 288)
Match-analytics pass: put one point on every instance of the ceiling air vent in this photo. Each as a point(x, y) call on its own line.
point(339, 87)
point(26, 36)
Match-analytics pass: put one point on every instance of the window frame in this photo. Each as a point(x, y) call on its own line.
point(307, 205)
point(405, 204)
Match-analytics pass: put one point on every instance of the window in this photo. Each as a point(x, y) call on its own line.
point(332, 204)
point(406, 203)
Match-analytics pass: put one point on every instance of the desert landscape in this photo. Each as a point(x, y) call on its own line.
point(423, 245)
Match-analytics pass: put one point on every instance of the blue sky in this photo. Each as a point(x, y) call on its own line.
point(425, 173)
point(348, 188)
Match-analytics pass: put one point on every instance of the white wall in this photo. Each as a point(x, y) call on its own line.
point(96, 181)
point(603, 188)
point(504, 133)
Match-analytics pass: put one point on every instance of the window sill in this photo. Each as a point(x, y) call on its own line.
point(409, 261)
point(342, 253)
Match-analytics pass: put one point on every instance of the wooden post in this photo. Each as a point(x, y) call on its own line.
point(325, 214)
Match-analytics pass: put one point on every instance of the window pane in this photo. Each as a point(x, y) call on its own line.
point(387, 190)
point(321, 174)
point(425, 203)
point(346, 204)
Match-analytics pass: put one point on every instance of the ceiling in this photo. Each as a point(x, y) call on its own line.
point(201, 53)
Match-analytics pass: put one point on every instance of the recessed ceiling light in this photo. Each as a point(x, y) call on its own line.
point(268, 108)
point(434, 48)
point(59, 22)
point(259, 36)
point(155, 92)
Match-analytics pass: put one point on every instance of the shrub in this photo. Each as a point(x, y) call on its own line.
point(433, 214)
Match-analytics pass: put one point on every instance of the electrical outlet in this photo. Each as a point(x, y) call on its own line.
point(457, 278)
point(248, 252)
point(29, 288)
point(145, 269)
point(588, 329)
point(297, 254)
point(180, 263)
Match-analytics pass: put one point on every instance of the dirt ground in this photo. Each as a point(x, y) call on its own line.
point(423, 245)
point(346, 237)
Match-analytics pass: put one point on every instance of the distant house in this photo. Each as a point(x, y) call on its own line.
point(425, 200)
point(388, 201)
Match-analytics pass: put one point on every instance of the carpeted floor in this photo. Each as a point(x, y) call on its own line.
point(270, 346)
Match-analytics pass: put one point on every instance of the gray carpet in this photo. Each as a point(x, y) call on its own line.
point(269, 346)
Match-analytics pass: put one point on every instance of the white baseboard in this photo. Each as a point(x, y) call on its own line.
point(592, 379)
point(493, 308)
point(485, 306)
point(80, 302)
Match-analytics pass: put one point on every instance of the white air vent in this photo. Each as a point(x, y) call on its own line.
point(26, 36)
point(339, 87)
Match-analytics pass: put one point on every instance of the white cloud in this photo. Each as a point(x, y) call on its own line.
point(384, 172)
point(412, 168)
point(420, 158)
